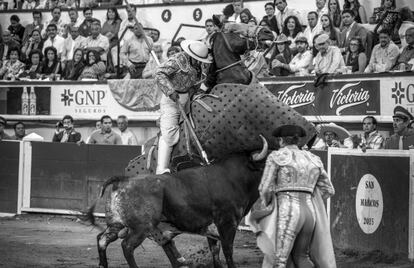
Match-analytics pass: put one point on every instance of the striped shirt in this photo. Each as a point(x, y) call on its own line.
point(374, 140)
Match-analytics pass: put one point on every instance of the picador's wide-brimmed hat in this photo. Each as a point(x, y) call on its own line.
point(196, 49)
point(301, 38)
point(281, 39)
point(402, 113)
point(289, 131)
point(341, 132)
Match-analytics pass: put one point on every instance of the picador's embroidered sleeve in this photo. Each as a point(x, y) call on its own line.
point(164, 75)
point(269, 173)
point(324, 184)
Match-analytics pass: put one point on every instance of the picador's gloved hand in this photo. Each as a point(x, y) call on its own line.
point(174, 96)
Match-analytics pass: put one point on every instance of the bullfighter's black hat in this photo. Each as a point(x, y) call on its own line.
point(402, 113)
point(289, 130)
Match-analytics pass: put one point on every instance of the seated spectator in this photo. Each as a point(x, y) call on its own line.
point(403, 137)
point(34, 66)
point(57, 21)
point(96, 41)
point(73, 42)
point(152, 66)
point(245, 16)
point(334, 12)
point(105, 135)
point(329, 29)
point(3, 124)
point(127, 136)
point(94, 67)
point(371, 138)
point(405, 61)
point(12, 67)
point(16, 29)
point(74, 22)
point(329, 58)
point(281, 55)
point(111, 27)
point(407, 21)
point(85, 27)
point(284, 13)
point(302, 60)
point(34, 42)
point(291, 29)
point(384, 55)
point(98, 126)
point(35, 25)
point(75, 66)
point(88, 3)
point(5, 46)
point(110, 3)
point(237, 9)
point(351, 29)
point(29, 4)
point(313, 28)
point(379, 12)
point(321, 8)
point(270, 18)
point(68, 133)
point(172, 50)
point(51, 65)
point(54, 40)
point(19, 131)
point(357, 9)
point(332, 135)
point(355, 58)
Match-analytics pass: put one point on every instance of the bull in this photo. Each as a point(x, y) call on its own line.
point(191, 200)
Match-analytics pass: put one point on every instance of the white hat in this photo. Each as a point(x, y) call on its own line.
point(196, 49)
point(341, 132)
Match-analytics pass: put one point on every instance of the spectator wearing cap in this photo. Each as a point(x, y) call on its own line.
point(384, 55)
point(85, 27)
point(96, 41)
point(270, 17)
point(301, 62)
point(313, 28)
point(3, 124)
point(332, 135)
point(403, 137)
point(281, 55)
point(127, 136)
point(329, 58)
point(405, 61)
point(19, 131)
point(371, 139)
point(68, 133)
point(54, 40)
point(105, 135)
point(16, 29)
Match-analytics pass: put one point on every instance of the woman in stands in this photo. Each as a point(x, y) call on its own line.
point(281, 55)
point(12, 67)
point(291, 29)
point(335, 12)
point(111, 26)
point(358, 9)
point(94, 67)
point(355, 57)
point(34, 66)
point(380, 11)
point(75, 66)
point(329, 28)
point(51, 65)
point(34, 42)
point(245, 16)
point(16, 29)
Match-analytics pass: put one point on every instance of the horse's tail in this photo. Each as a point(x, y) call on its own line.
point(114, 181)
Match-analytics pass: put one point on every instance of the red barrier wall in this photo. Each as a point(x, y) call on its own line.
point(9, 176)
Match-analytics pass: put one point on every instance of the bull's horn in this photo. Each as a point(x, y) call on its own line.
point(260, 156)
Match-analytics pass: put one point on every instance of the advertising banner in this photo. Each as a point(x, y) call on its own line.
point(397, 90)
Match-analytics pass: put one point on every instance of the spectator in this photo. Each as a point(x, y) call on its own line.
point(291, 29)
point(16, 29)
point(111, 27)
point(136, 53)
point(302, 60)
point(405, 61)
point(329, 29)
point(210, 29)
point(380, 12)
point(154, 34)
point(110, 3)
point(384, 55)
point(7, 44)
point(88, 3)
point(35, 25)
point(3, 124)
point(75, 66)
point(270, 17)
point(329, 58)
point(29, 4)
point(34, 66)
point(96, 41)
point(281, 55)
point(127, 136)
point(54, 40)
point(245, 16)
point(85, 27)
point(332, 135)
point(284, 13)
point(357, 9)
point(34, 42)
point(68, 133)
point(265, 24)
point(12, 67)
point(19, 131)
point(98, 126)
point(105, 135)
point(321, 8)
point(334, 12)
point(128, 24)
point(74, 21)
point(351, 29)
point(355, 58)
point(313, 28)
point(57, 21)
point(403, 138)
point(51, 64)
point(371, 138)
point(388, 18)
point(237, 8)
point(94, 66)
point(172, 50)
point(3, 5)
point(407, 21)
point(152, 66)
point(72, 43)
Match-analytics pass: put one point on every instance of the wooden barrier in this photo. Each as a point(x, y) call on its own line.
point(9, 174)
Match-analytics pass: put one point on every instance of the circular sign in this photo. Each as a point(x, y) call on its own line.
point(369, 204)
point(166, 15)
point(197, 14)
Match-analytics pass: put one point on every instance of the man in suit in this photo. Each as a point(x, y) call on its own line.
point(68, 134)
point(351, 29)
point(403, 137)
point(6, 45)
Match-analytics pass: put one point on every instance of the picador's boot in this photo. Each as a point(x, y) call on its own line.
point(164, 155)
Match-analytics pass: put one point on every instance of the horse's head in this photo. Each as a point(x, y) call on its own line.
point(250, 31)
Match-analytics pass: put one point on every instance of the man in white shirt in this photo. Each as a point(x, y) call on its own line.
point(284, 12)
point(127, 136)
point(74, 22)
point(321, 8)
point(54, 40)
point(313, 28)
point(96, 41)
point(128, 24)
point(73, 42)
point(238, 7)
point(384, 55)
point(329, 59)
